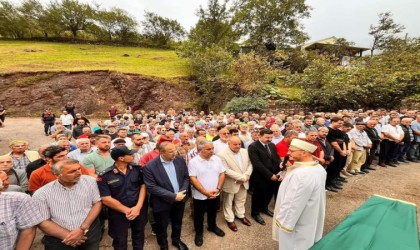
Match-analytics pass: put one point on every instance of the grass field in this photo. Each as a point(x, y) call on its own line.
point(28, 56)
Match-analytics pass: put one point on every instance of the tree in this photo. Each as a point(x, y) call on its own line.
point(74, 16)
point(161, 30)
point(31, 11)
point(384, 31)
point(275, 23)
point(116, 22)
point(214, 27)
point(371, 82)
point(12, 24)
point(250, 73)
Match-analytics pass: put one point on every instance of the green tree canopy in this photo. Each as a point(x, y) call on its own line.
point(273, 22)
point(161, 30)
point(384, 31)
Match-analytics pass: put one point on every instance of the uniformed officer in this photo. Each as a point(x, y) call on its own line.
point(123, 191)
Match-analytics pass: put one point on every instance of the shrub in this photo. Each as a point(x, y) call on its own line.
point(250, 104)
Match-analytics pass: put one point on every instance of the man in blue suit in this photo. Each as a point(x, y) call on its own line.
point(166, 179)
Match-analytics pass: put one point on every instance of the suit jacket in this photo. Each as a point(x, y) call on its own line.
point(264, 163)
point(233, 170)
point(162, 194)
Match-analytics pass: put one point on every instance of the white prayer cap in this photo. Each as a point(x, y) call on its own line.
point(144, 134)
point(301, 144)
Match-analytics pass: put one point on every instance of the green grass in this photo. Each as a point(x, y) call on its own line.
point(49, 56)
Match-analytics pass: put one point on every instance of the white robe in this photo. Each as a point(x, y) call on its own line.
point(300, 207)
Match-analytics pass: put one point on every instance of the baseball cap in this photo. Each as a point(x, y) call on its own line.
point(120, 151)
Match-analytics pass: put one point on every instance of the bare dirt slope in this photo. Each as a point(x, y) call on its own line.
point(399, 183)
point(28, 94)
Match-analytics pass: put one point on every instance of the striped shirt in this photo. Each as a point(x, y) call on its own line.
point(68, 207)
point(17, 211)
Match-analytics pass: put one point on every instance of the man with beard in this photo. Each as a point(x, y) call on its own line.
point(266, 164)
point(300, 207)
point(99, 160)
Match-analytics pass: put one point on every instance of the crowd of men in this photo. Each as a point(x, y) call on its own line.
point(134, 169)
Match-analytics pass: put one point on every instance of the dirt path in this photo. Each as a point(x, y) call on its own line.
point(399, 183)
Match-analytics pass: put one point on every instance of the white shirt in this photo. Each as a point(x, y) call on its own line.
point(219, 146)
point(66, 119)
point(395, 132)
point(207, 173)
point(276, 140)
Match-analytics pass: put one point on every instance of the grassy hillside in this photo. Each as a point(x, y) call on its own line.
point(24, 56)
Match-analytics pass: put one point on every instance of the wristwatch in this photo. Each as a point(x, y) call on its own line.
point(85, 230)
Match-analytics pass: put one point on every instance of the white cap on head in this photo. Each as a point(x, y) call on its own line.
point(303, 145)
point(144, 134)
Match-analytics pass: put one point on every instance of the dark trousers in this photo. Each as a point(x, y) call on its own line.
point(200, 208)
point(388, 151)
point(371, 155)
point(402, 150)
point(175, 215)
point(92, 242)
point(261, 197)
point(333, 170)
point(413, 152)
point(119, 225)
point(47, 127)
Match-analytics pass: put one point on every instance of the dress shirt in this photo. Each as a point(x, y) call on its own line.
point(170, 170)
point(17, 211)
point(67, 207)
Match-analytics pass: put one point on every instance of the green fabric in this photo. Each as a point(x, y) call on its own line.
point(379, 224)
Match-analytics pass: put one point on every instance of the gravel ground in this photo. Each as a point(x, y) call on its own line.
point(398, 183)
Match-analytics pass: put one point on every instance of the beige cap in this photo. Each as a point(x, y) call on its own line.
point(301, 144)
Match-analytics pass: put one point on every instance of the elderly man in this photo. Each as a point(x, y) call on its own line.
point(238, 169)
point(18, 217)
point(414, 152)
point(44, 175)
point(283, 146)
point(266, 164)
point(207, 175)
point(375, 138)
point(20, 154)
point(311, 137)
point(61, 130)
point(221, 143)
point(326, 146)
point(300, 207)
point(166, 179)
point(16, 176)
point(70, 206)
point(277, 136)
point(83, 149)
point(123, 191)
point(393, 134)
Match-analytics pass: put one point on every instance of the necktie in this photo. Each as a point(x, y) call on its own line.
point(268, 150)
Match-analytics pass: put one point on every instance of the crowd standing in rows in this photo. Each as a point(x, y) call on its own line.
point(147, 164)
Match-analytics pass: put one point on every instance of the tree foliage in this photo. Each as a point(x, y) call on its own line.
point(385, 30)
point(214, 27)
point(161, 30)
point(249, 73)
point(248, 104)
point(370, 82)
point(116, 22)
point(275, 22)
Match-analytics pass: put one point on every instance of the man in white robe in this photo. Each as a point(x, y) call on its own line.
point(299, 214)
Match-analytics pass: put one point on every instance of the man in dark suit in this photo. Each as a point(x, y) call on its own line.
point(266, 164)
point(166, 179)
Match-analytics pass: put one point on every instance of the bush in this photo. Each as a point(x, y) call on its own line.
point(249, 104)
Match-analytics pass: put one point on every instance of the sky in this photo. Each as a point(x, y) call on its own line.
point(349, 19)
